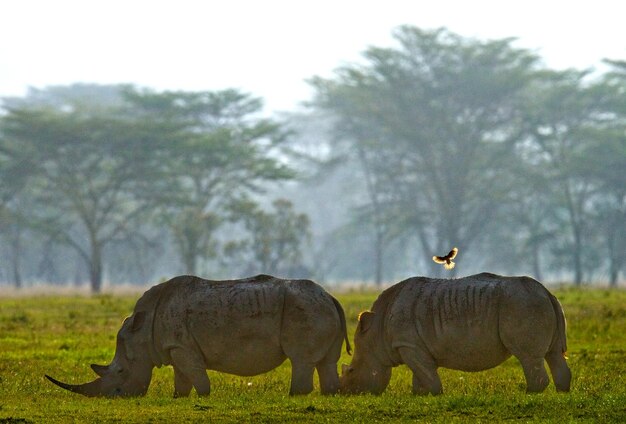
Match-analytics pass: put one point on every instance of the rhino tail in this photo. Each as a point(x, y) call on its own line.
point(559, 340)
point(344, 329)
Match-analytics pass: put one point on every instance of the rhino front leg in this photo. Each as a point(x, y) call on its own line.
point(425, 377)
point(193, 369)
point(182, 385)
point(301, 378)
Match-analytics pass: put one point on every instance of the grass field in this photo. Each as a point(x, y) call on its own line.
point(61, 336)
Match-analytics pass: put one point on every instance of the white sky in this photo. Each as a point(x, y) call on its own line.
point(270, 47)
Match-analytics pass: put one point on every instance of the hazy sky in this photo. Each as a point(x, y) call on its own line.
point(270, 47)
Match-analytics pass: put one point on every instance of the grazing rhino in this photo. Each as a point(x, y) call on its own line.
point(468, 324)
point(243, 327)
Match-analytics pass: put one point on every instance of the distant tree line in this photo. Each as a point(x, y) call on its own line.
point(94, 170)
point(437, 142)
point(474, 144)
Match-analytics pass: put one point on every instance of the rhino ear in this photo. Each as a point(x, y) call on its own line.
point(366, 319)
point(344, 369)
point(138, 319)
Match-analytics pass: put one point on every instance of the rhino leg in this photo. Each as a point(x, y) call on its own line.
point(182, 385)
point(327, 367)
point(425, 377)
point(301, 378)
point(329, 379)
point(193, 369)
point(535, 373)
point(561, 373)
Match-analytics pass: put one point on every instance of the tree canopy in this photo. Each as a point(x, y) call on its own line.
point(94, 172)
point(451, 132)
point(437, 141)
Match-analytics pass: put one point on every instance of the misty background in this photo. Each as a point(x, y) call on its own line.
point(430, 140)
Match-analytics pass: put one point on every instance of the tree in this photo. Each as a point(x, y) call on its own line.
point(221, 151)
point(275, 240)
point(531, 215)
point(82, 163)
point(561, 110)
point(434, 122)
point(11, 231)
point(602, 161)
point(12, 177)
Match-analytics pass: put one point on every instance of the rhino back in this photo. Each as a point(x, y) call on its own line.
point(235, 324)
point(458, 321)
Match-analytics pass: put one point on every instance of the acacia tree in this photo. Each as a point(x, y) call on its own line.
point(602, 161)
point(532, 217)
point(12, 177)
point(221, 151)
point(560, 110)
point(274, 240)
point(83, 171)
point(434, 121)
point(11, 231)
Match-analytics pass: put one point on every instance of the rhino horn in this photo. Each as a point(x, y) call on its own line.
point(101, 370)
point(88, 389)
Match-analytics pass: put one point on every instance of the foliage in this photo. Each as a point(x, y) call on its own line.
point(63, 335)
point(603, 160)
point(473, 144)
point(85, 179)
point(435, 142)
point(273, 242)
point(221, 151)
point(92, 172)
point(432, 123)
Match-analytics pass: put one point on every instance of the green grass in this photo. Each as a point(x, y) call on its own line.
point(61, 336)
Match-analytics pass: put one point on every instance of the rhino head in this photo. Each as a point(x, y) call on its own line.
point(366, 373)
point(130, 372)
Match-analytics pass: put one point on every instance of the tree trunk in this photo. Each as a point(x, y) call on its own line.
point(191, 262)
point(576, 224)
point(188, 249)
point(95, 267)
point(577, 252)
point(613, 274)
point(536, 262)
point(615, 248)
point(379, 232)
point(379, 257)
point(16, 257)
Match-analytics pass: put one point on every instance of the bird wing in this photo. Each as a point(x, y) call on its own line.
point(452, 253)
point(439, 259)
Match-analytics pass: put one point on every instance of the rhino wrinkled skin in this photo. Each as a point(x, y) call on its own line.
point(243, 327)
point(468, 324)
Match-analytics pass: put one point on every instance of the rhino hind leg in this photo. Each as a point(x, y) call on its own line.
point(561, 373)
point(425, 377)
point(327, 367)
point(301, 378)
point(329, 379)
point(535, 373)
point(191, 366)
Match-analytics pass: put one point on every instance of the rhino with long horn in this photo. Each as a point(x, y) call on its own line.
point(243, 327)
point(468, 324)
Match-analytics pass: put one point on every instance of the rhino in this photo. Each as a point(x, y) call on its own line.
point(243, 327)
point(469, 324)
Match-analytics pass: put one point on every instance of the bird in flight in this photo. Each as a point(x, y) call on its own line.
point(447, 260)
